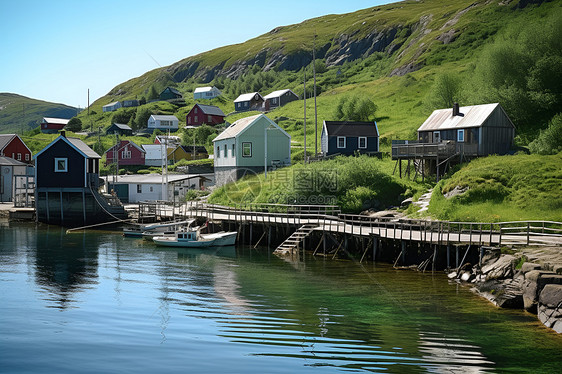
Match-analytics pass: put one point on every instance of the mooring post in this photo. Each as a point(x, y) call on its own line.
point(403, 252)
point(269, 237)
point(324, 241)
point(434, 258)
point(375, 247)
point(481, 255)
point(251, 229)
point(448, 255)
point(457, 259)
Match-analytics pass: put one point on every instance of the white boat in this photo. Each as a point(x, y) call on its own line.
point(150, 230)
point(192, 238)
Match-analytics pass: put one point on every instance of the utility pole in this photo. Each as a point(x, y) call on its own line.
point(304, 114)
point(315, 112)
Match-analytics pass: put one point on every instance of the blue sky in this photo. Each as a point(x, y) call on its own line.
point(55, 50)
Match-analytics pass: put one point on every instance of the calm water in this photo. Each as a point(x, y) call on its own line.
point(99, 303)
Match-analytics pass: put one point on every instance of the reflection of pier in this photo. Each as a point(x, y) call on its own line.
point(339, 232)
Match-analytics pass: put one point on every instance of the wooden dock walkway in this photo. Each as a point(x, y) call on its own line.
point(329, 219)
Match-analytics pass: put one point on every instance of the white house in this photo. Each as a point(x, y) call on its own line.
point(162, 122)
point(248, 146)
point(153, 155)
point(206, 93)
point(112, 106)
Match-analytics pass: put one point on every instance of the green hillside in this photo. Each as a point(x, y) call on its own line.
point(20, 113)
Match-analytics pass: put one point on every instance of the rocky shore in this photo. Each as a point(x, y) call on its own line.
point(527, 278)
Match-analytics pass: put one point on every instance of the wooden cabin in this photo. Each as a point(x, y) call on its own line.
point(67, 182)
point(170, 93)
point(250, 145)
point(119, 129)
point(208, 114)
point(279, 98)
point(50, 125)
point(163, 123)
point(11, 145)
point(348, 138)
point(111, 107)
point(249, 101)
point(125, 152)
point(206, 93)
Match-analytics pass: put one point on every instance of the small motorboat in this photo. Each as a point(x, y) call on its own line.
point(192, 238)
point(150, 230)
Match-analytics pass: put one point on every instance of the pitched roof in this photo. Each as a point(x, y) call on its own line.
point(189, 148)
point(123, 143)
point(111, 104)
point(160, 117)
point(247, 97)
point(211, 110)
point(350, 128)
point(202, 89)
point(59, 121)
point(83, 147)
point(471, 116)
point(122, 126)
point(8, 161)
point(171, 89)
point(153, 151)
point(278, 93)
point(237, 127)
point(5, 139)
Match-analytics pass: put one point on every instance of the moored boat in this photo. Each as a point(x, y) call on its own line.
point(150, 230)
point(192, 238)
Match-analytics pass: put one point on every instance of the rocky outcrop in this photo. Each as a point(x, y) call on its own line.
point(550, 307)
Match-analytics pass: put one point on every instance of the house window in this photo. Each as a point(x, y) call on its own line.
point(460, 136)
point(209, 119)
point(246, 104)
point(139, 188)
point(341, 141)
point(27, 157)
point(195, 119)
point(151, 189)
point(61, 165)
point(195, 111)
point(19, 156)
point(437, 137)
point(218, 151)
point(274, 100)
point(233, 149)
point(126, 154)
point(246, 149)
point(225, 151)
point(189, 120)
point(363, 142)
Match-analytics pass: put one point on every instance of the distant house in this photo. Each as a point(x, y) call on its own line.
point(347, 138)
point(279, 98)
point(125, 152)
point(67, 182)
point(146, 187)
point(200, 114)
point(154, 154)
point(187, 152)
point(119, 129)
point(9, 169)
point(112, 106)
point(241, 148)
point(249, 101)
point(163, 122)
point(51, 125)
point(12, 146)
point(206, 93)
point(170, 93)
point(130, 103)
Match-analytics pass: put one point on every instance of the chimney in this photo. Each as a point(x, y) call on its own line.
point(456, 111)
point(63, 133)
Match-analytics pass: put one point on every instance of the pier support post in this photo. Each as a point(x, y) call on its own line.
point(324, 241)
point(448, 256)
point(375, 247)
point(403, 254)
point(434, 257)
point(457, 255)
point(251, 231)
point(269, 237)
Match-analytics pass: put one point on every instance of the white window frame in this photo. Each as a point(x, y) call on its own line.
point(61, 170)
point(244, 144)
point(27, 157)
point(364, 138)
point(139, 188)
point(344, 142)
point(125, 154)
point(438, 133)
point(460, 136)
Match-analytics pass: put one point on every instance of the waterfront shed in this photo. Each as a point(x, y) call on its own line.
point(241, 148)
point(206, 93)
point(11, 145)
point(347, 138)
point(279, 98)
point(249, 101)
point(200, 114)
point(9, 169)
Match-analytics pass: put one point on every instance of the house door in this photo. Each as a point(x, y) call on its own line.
point(437, 137)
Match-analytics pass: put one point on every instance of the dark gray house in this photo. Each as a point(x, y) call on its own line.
point(347, 138)
point(121, 129)
point(249, 101)
point(279, 98)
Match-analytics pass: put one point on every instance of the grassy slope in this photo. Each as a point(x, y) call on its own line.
point(12, 108)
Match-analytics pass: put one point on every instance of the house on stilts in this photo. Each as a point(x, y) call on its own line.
point(67, 183)
point(451, 136)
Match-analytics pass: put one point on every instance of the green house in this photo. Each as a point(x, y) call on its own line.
point(248, 146)
point(170, 94)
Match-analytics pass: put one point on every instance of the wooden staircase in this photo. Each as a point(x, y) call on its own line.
point(296, 238)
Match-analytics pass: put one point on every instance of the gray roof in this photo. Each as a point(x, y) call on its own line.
point(122, 126)
point(111, 104)
point(161, 117)
point(237, 127)
point(247, 97)
point(203, 89)
point(211, 110)
point(60, 121)
point(155, 178)
point(349, 128)
point(278, 94)
point(83, 147)
point(470, 116)
point(5, 139)
point(8, 161)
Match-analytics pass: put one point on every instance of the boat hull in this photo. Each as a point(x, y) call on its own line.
point(206, 240)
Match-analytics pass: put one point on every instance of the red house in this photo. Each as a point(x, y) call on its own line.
point(52, 125)
point(200, 114)
point(12, 146)
point(126, 152)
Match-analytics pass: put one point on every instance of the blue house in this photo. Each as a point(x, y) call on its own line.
point(347, 138)
point(66, 186)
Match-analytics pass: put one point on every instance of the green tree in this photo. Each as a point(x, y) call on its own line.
point(355, 109)
point(74, 125)
point(141, 119)
point(446, 91)
point(549, 141)
point(152, 93)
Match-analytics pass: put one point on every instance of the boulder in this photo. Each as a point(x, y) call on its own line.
point(550, 306)
point(535, 280)
point(551, 296)
point(501, 268)
point(530, 266)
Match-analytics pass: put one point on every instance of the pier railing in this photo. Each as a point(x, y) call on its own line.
point(329, 218)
